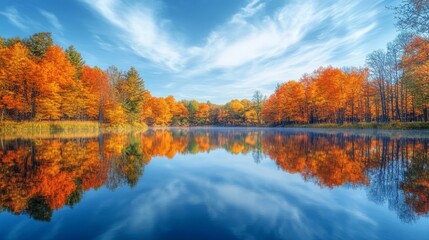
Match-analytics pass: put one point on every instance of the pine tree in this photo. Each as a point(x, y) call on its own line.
point(132, 94)
point(76, 60)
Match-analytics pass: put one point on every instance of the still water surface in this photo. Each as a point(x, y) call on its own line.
point(216, 183)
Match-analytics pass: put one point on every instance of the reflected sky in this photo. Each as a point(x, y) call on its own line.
point(216, 183)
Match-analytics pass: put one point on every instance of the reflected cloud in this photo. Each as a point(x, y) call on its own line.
point(239, 204)
point(38, 177)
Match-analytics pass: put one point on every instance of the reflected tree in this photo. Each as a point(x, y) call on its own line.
point(416, 184)
point(40, 176)
point(39, 209)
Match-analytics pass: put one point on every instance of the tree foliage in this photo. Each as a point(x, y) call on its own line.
point(76, 60)
point(39, 43)
point(41, 81)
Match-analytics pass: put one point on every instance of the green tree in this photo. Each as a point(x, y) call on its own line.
point(131, 94)
point(192, 107)
point(39, 209)
point(75, 59)
point(39, 43)
point(132, 161)
point(9, 42)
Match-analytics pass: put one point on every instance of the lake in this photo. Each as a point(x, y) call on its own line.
point(217, 183)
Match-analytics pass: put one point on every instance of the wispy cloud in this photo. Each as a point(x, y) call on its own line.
point(245, 39)
point(255, 48)
point(14, 17)
point(249, 10)
point(250, 53)
point(53, 20)
point(102, 43)
point(259, 195)
point(141, 31)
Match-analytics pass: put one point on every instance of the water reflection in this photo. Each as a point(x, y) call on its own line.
point(39, 176)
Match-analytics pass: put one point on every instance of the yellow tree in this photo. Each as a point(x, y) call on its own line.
point(96, 81)
point(271, 112)
point(292, 102)
point(251, 117)
point(162, 112)
point(307, 81)
point(182, 113)
point(156, 111)
point(80, 95)
point(18, 77)
point(415, 62)
point(354, 83)
point(57, 81)
point(236, 110)
point(202, 114)
point(330, 90)
point(178, 110)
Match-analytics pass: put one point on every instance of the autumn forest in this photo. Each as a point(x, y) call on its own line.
point(247, 119)
point(40, 80)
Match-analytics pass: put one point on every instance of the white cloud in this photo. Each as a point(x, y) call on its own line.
point(284, 203)
point(53, 20)
point(14, 17)
point(298, 38)
point(254, 49)
point(248, 40)
point(249, 10)
point(141, 31)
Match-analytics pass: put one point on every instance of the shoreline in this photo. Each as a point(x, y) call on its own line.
point(91, 126)
point(56, 128)
point(93, 129)
point(364, 125)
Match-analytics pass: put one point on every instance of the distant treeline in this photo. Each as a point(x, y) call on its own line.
point(41, 81)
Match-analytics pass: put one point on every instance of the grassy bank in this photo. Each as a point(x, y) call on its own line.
point(93, 128)
point(372, 125)
point(66, 128)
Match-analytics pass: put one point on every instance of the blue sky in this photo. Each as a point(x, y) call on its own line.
point(209, 50)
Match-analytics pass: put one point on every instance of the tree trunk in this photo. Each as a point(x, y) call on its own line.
point(398, 114)
point(368, 116)
point(340, 116)
point(377, 112)
point(392, 109)
point(406, 105)
point(100, 112)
